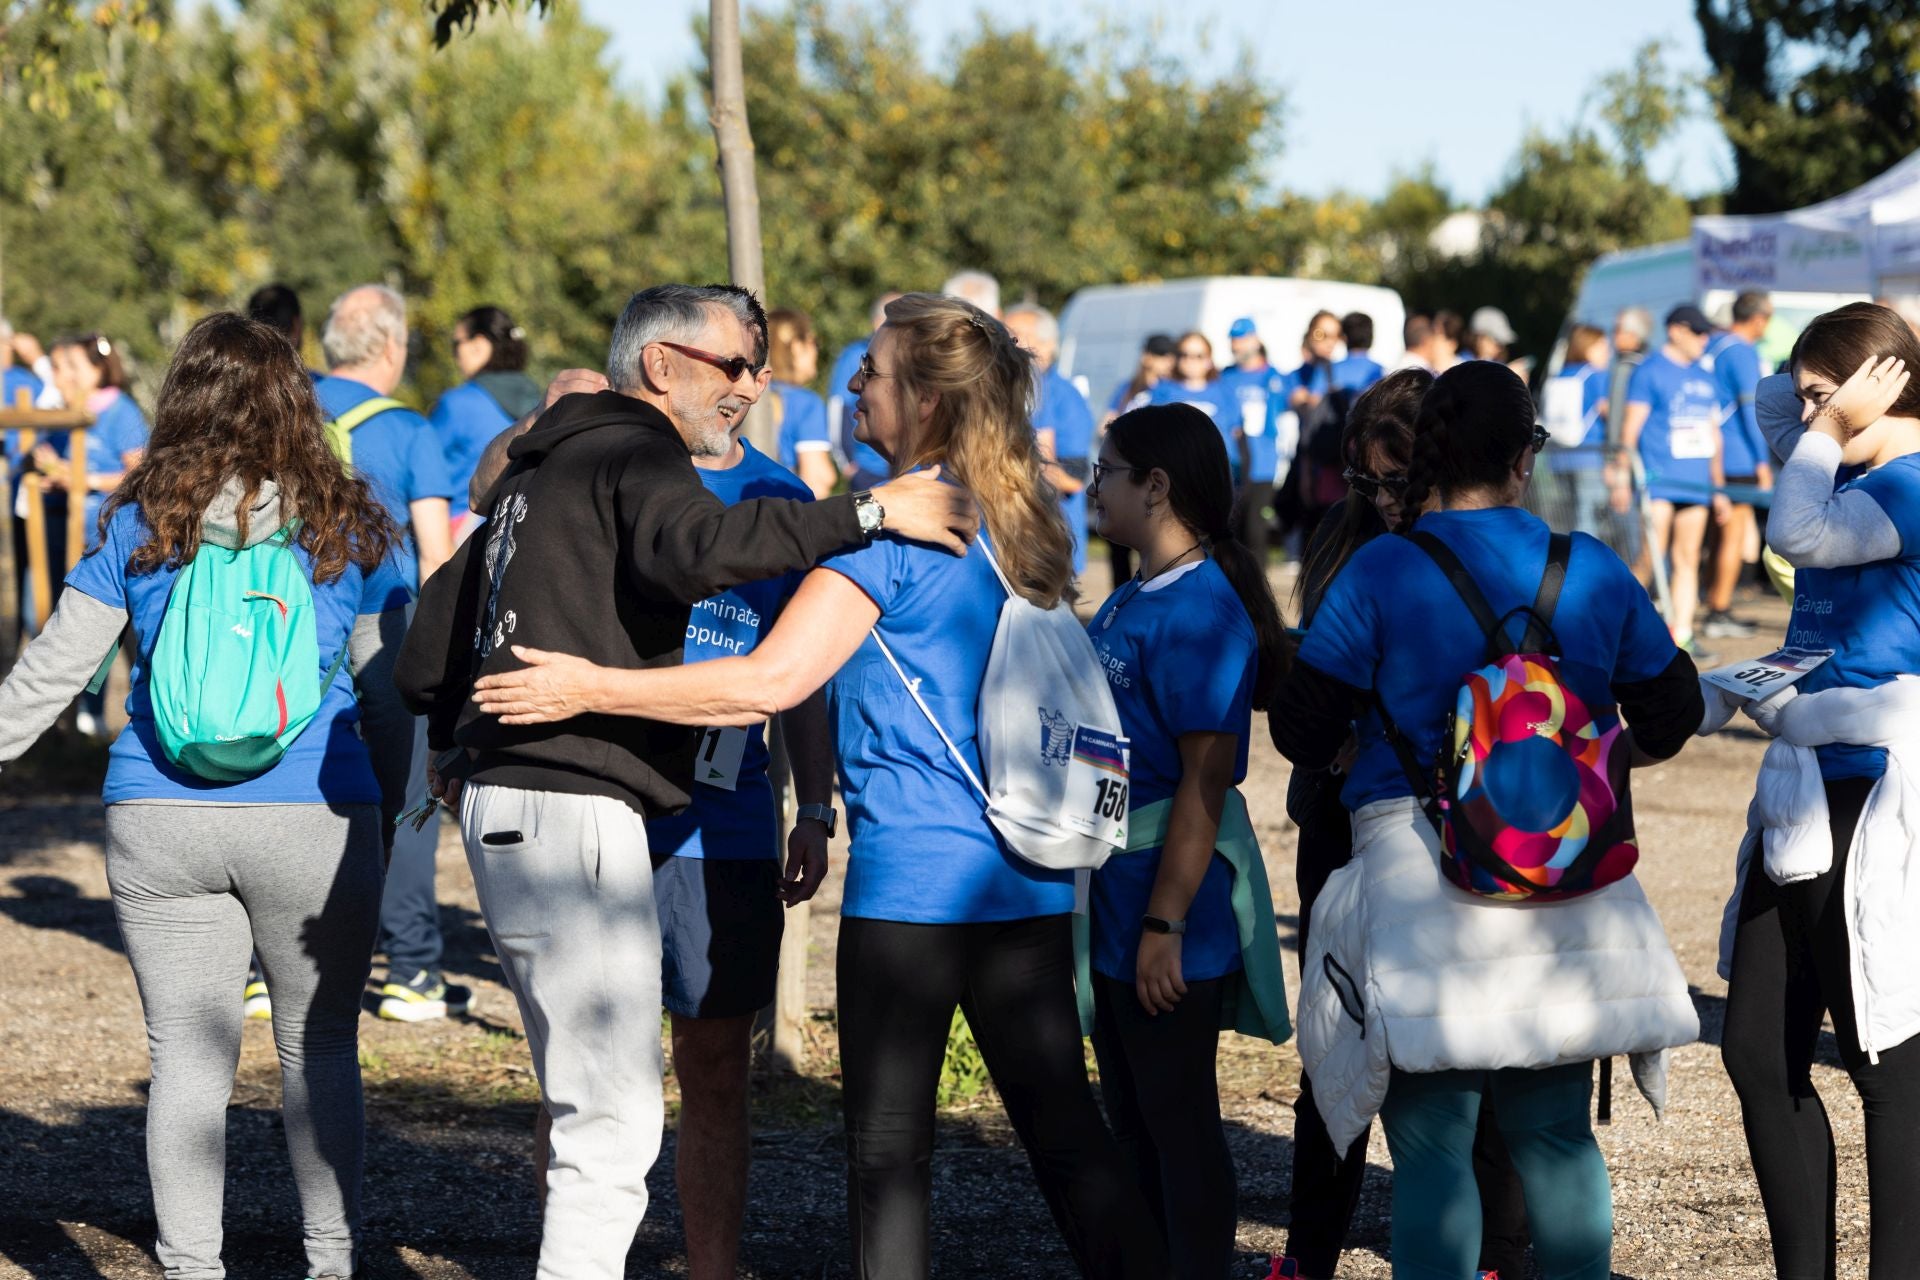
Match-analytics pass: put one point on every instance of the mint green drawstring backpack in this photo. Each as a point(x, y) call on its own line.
point(235, 672)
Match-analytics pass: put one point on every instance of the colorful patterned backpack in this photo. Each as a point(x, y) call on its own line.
point(1529, 794)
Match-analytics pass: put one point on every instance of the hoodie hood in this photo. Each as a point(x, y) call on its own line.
point(513, 391)
point(579, 413)
point(220, 524)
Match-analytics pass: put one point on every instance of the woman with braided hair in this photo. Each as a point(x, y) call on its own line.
point(1419, 999)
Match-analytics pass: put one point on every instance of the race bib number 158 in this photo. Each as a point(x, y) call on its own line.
point(1097, 786)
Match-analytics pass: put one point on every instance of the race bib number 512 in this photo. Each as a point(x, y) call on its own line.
point(1761, 678)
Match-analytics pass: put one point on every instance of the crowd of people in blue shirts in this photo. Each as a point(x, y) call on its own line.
point(606, 755)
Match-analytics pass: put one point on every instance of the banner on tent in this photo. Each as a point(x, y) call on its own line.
point(1778, 253)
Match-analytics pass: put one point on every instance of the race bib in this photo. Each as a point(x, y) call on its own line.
point(716, 760)
point(1693, 435)
point(1096, 796)
point(1761, 678)
point(1253, 415)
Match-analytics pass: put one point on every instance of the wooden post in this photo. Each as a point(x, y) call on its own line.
point(77, 491)
point(31, 423)
point(9, 557)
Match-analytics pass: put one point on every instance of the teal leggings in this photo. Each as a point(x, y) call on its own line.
point(1430, 1120)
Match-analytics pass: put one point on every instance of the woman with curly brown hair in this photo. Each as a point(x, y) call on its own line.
point(288, 861)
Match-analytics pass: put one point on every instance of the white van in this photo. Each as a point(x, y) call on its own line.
point(1102, 328)
point(1661, 277)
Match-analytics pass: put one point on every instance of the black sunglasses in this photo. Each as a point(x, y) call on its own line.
point(1369, 487)
point(735, 367)
point(1540, 437)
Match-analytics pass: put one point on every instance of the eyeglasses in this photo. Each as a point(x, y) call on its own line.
point(1369, 487)
point(868, 371)
point(1540, 437)
point(1101, 470)
point(1194, 355)
point(735, 367)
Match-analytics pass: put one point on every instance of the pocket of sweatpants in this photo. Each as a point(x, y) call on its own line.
point(514, 875)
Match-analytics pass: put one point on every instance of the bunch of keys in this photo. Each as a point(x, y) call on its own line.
point(420, 814)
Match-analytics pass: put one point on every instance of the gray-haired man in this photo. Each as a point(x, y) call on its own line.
point(599, 539)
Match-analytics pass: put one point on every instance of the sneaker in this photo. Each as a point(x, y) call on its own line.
point(1722, 625)
point(423, 999)
point(259, 1005)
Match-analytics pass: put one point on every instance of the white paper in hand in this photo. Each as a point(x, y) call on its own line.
point(1761, 678)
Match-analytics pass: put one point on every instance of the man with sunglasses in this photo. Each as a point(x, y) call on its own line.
point(600, 538)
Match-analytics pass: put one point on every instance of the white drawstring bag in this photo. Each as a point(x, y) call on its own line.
point(1049, 735)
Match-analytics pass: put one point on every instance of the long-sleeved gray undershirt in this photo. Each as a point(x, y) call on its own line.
point(1812, 526)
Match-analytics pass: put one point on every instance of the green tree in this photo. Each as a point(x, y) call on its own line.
point(1816, 96)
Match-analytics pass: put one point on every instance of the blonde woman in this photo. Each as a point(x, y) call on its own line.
point(937, 913)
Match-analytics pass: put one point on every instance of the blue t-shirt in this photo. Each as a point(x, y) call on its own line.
point(327, 763)
point(741, 822)
point(1868, 614)
point(923, 851)
point(1062, 410)
point(1215, 401)
point(863, 458)
point(1392, 623)
point(1356, 372)
point(14, 380)
point(465, 420)
point(803, 421)
point(1682, 430)
point(117, 430)
point(399, 455)
point(1736, 370)
point(1180, 657)
point(1254, 393)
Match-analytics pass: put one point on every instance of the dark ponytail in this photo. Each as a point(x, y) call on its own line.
point(509, 339)
point(1183, 442)
point(1473, 424)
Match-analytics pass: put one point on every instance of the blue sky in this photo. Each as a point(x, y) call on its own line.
point(1373, 86)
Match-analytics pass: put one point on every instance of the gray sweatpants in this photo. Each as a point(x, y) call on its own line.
point(566, 886)
point(196, 887)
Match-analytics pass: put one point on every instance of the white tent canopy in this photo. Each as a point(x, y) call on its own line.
point(1866, 241)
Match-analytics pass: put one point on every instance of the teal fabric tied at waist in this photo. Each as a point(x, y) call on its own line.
point(1255, 1003)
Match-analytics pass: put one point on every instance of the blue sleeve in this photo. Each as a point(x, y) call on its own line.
point(1073, 424)
point(1593, 391)
point(1641, 389)
point(1201, 674)
point(102, 572)
point(384, 587)
point(808, 420)
point(1646, 645)
point(125, 429)
point(1742, 382)
point(1120, 396)
point(427, 471)
point(879, 569)
point(442, 417)
point(1344, 640)
point(1897, 490)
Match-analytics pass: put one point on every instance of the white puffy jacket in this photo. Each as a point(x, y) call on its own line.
point(1405, 970)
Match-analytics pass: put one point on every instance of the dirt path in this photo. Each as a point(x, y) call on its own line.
point(448, 1182)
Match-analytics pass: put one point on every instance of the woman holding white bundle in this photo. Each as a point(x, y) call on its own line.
point(1827, 917)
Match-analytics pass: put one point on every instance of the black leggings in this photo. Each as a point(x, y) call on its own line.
point(899, 984)
point(1790, 966)
point(1326, 1183)
point(1157, 1078)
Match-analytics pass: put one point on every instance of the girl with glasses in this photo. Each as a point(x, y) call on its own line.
point(1506, 1001)
point(1196, 381)
point(1189, 646)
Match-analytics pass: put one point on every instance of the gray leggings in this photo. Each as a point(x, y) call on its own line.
point(196, 888)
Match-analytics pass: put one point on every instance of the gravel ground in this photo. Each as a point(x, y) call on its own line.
point(448, 1179)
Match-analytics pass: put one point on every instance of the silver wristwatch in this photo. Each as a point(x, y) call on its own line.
point(869, 512)
point(823, 814)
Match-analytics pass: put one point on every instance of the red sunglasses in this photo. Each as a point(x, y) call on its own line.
point(732, 366)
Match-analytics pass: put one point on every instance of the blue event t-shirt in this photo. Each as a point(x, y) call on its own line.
point(740, 823)
point(1061, 409)
point(803, 421)
point(465, 420)
point(1682, 430)
point(1357, 371)
point(1180, 657)
point(400, 457)
point(1392, 623)
point(118, 429)
point(1868, 614)
point(1253, 392)
point(1736, 370)
point(923, 851)
point(865, 460)
point(327, 763)
point(1212, 400)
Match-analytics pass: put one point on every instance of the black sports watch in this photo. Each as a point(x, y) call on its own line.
point(1154, 924)
point(870, 513)
point(824, 814)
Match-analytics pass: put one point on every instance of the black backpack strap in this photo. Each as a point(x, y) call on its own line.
point(1463, 584)
point(1540, 626)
